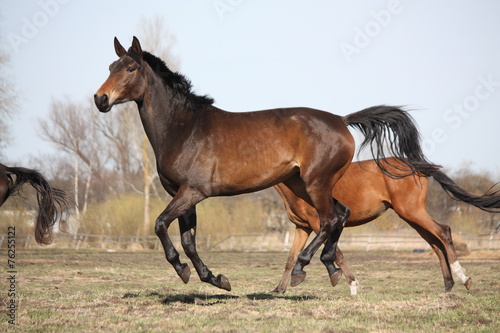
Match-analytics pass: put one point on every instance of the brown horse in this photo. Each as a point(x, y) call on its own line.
point(52, 202)
point(202, 151)
point(368, 192)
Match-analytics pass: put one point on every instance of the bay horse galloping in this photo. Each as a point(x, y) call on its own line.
point(368, 192)
point(52, 202)
point(202, 151)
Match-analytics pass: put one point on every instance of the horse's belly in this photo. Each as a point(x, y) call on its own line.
point(250, 177)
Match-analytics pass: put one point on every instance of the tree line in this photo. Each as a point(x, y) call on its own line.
point(106, 165)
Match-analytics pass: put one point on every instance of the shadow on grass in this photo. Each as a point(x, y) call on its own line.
point(295, 298)
point(197, 299)
point(205, 300)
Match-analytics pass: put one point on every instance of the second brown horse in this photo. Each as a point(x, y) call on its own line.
point(368, 192)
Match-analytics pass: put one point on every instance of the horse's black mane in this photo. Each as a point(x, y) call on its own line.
point(177, 82)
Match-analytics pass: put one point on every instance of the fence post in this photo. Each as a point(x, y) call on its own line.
point(28, 238)
point(208, 242)
point(79, 240)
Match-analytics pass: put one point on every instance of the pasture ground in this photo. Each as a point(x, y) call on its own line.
point(95, 291)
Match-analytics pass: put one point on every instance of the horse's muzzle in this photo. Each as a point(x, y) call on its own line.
point(102, 102)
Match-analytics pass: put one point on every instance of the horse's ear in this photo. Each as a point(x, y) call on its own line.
point(136, 49)
point(119, 49)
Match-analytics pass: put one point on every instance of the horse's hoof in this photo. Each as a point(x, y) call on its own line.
point(335, 277)
point(277, 291)
point(185, 274)
point(468, 283)
point(223, 282)
point(297, 279)
point(448, 285)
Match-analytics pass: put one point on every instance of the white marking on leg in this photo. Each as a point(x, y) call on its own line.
point(354, 287)
point(459, 271)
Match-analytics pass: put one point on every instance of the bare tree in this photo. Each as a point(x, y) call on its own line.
point(156, 39)
point(122, 131)
point(7, 99)
point(69, 127)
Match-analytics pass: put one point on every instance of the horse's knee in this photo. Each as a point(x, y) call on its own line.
point(160, 229)
point(161, 225)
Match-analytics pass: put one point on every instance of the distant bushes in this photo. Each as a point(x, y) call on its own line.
point(119, 215)
point(123, 215)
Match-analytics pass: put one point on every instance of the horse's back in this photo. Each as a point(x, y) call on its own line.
point(301, 133)
point(254, 147)
point(369, 192)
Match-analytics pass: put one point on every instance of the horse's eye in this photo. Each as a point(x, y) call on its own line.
point(130, 69)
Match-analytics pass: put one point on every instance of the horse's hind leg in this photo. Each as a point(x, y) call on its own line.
point(438, 248)
point(331, 224)
point(439, 237)
point(299, 241)
point(328, 256)
point(187, 226)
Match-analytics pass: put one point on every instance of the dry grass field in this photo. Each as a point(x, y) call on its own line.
point(95, 291)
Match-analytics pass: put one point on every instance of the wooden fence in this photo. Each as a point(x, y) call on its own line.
point(246, 242)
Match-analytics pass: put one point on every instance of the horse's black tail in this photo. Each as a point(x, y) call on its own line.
point(52, 202)
point(393, 129)
point(490, 201)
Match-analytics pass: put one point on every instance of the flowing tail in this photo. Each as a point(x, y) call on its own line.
point(52, 202)
point(489, 202)
point(393, 129)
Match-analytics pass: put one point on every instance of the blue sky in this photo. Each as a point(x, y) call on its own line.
point(439, 58)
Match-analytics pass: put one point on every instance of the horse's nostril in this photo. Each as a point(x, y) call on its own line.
point(100, 100)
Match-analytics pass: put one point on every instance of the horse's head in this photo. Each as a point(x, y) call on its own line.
point(126, 81)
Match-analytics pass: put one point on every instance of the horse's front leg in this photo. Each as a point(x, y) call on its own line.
point(185, 199)
point(187, 226)
point(351, 280)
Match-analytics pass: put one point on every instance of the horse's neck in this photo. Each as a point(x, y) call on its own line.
point(161, 116)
